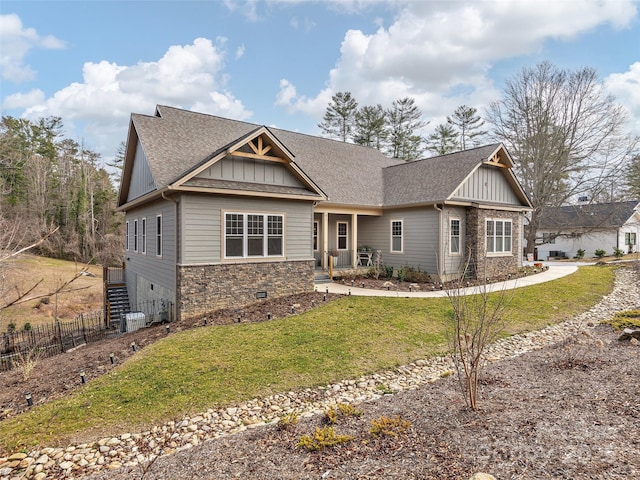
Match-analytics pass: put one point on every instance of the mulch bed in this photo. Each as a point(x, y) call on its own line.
point(564, 412)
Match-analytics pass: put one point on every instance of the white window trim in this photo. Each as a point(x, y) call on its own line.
point(159, 242)
point(245, 236)
point(135, 235)
point(451, 252)
point(126, 235)
point(501, 253)
point(629, 235)
point(315, 236)
point(401, 222)
point(346, 236)
point(143, 244)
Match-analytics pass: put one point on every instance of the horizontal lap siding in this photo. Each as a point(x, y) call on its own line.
point(158, 270)
point(202, 233)
point(420, 232)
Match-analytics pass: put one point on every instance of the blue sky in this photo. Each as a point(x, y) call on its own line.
point(278, 62)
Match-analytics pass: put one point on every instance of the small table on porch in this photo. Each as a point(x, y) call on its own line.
point(364, 258)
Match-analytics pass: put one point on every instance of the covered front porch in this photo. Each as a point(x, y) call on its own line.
point(340, 243)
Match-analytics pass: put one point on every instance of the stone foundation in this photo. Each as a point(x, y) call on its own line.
point(491, 266)
point(205, 288)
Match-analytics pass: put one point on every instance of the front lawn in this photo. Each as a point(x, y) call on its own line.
point(211, 366)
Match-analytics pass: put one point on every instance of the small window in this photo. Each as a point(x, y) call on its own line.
point(126, 236)
point(234, 235)
point(144, 235)
point(159, 235)
point(498, 236)
point(342, 236)
point(275, 235)
point(315, 236)
point(255, 235)
point(629, 238)
point(454, 235)
point(396, 236)
point(135, 235)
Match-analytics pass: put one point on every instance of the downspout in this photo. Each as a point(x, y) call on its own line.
point(440, 262)
point(175, 277)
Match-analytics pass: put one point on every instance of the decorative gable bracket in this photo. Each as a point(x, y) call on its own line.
point(259, 147)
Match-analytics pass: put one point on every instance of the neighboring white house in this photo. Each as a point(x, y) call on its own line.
point(564, 230)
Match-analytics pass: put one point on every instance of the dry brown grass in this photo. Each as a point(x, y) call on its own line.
point(83, 295)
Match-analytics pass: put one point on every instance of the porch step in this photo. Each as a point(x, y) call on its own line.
point(321, 278)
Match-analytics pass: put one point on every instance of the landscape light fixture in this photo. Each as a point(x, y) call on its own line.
point(29, 399)
point(133, 346)
point(112, 358)
point(268, 315)
point(83, 378)
point(168, 328)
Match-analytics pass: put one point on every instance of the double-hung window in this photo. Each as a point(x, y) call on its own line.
point(315, 236)
point(126, 236)
point(342, 236)
point(396, 236)
point(159, 235)
point(498, 236)
point(144, 235)
point(250, 235)
point(454, 236)
point(629, 238)
point(135, 235)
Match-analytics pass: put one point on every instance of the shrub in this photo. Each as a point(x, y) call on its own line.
point(11, 328)
point(580, 253)
point(332, 413)
point(388, 271)
point(322, 438)
point(391, 427)
point(625, 319)
point(415, 275)
point(401, 274)
point(288, 422)
point(600, 253)
point(27, 327)
point(618, 252)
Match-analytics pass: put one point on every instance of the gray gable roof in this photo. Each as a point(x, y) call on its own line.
point(434, 179)
point(176, 142)
point(593, 216)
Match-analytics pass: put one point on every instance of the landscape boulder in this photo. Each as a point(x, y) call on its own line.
point(629, 333)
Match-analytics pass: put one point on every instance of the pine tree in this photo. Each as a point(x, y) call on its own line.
point(444, 140)
point(339, 118)
point(370, 126)
point(404, 118)
point(469, 126)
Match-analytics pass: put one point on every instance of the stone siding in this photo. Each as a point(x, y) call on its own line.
point(205, 288)
point(491, 266)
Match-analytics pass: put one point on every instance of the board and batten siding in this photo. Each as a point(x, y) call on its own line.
point(201, 217)
point(487, 184)
point(141, 179)
point(146, 269)
point(251, 170)
point(420, 231)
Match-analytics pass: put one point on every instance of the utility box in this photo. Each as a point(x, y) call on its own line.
point(135, 321)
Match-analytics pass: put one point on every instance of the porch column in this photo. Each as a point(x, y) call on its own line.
point(325, 240)
point(354, 241)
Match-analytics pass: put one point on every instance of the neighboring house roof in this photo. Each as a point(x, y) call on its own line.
point(592, 216)
point(179, 143)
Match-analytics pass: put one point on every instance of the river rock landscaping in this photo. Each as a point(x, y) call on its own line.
point(555, 403)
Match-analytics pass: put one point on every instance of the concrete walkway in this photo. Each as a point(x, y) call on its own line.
point(554, 272)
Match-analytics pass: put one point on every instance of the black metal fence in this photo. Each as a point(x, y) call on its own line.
point(51, 339)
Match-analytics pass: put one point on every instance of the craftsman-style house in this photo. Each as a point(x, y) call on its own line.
point(220, 212)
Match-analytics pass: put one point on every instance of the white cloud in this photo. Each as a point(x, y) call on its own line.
point(108, 93)
point(441, 53)
point(240, 51)
point(626, 88)
point(16, 43)
point(306, 24)
point(23, 100)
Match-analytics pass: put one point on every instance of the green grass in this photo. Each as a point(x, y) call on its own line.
point(211, 366)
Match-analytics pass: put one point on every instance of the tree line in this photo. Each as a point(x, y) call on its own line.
point(55, 192)
point(565, 134)
point(395, 131)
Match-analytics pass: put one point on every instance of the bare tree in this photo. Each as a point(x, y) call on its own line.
point(478, 320)
point(564, 133)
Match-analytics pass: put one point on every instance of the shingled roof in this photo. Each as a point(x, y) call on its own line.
point(177, 142)
point(592, 216)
